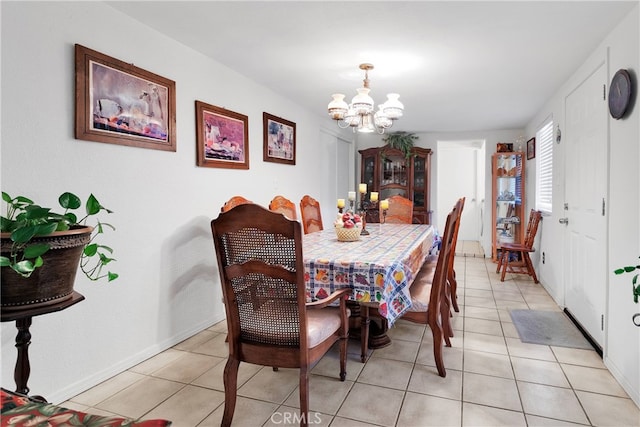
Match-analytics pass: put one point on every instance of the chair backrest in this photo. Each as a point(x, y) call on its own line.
point(400, 211)
point(261, 267)
point(233, 202)
point(311, 216)
point(284, 206)
point(459, 206)
point(532, 228)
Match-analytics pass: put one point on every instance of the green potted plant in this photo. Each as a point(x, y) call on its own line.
point(42, 249)
point(635, 286)
point(402, 141)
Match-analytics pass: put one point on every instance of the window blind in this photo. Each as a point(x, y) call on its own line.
point(544, 168)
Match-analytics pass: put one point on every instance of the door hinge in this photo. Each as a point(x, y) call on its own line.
point(602, 322)
point(604, 92)
point(603, 205)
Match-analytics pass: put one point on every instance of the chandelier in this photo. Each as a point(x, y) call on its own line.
point(360, 115)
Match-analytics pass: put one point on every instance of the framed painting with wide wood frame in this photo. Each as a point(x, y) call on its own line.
point(222, 137)
point(119, 103)
point(279, 140)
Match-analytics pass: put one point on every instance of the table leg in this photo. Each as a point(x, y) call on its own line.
point(23, 369)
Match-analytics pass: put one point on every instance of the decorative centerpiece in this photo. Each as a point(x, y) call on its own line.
point(348, 227)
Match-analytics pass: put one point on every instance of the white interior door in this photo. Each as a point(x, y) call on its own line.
point(458, 176)
point(585, 194)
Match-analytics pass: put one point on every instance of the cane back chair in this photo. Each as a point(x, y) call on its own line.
point(269, 322)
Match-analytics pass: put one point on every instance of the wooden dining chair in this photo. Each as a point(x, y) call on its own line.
point(311, 215)
point(452, 283)
point(284, 206)
point(400, 211)
point(269, 321)
point(522, 263)
point(429, 294)
point(233, 202)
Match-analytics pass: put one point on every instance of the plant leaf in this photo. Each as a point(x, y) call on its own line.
point(6, 197)
point(112, 276)
point(24, 267)
point(36, 250)
point(4, 261)
point(36, 212)
point(69, 201)
point(24, 234)
point(93, 206)
point(44, 229)
point(90, 250)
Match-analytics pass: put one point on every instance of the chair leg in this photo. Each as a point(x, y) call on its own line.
point(230, 390)
point(344, 342)
point(454, 292)
point(445, 315)
point(529, 264)
point(499, 263)
point(364, 332)
point(505, 264)
point(304, 396)
point(437, 332)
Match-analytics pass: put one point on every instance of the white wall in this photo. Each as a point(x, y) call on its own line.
point(622, 338)
point(168, 287)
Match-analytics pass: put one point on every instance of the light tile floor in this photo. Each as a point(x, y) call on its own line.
point(492, 379)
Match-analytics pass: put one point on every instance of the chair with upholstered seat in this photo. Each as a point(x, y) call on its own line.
point(515, 256)
point(428, 299)
point(233, 202)
point(284, 206)
point(429, 294)
point(269, 321)
point(452, 283)
point(311, 215)
point(400, 211)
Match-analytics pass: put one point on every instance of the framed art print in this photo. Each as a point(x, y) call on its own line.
point(119, 103)
point(531, 148)
point(279, 143)
point(222, 137)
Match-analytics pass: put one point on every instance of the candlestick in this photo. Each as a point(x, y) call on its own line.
point(384, 205)
point(340, 203)
point(374, 196)
point(352, 196)
point(363, 213)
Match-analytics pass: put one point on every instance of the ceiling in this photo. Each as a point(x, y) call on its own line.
point(458, 66)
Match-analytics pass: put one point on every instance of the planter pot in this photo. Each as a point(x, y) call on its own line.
point(51, 283)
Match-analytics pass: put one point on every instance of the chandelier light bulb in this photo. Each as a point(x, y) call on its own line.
point(360, 115)
point(393, 108)
point(362, 102)
point(337, 107)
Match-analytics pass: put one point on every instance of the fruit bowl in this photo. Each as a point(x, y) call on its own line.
point(348, 234)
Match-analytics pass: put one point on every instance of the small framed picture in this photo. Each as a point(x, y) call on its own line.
point(222, 137)
point(531, 148)
point(119, 103)
point(279, 140)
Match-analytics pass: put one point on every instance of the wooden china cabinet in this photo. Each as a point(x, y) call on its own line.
point(387, 171)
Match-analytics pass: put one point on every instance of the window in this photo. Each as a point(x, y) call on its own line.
point(544, 167)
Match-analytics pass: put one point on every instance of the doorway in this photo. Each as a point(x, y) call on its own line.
point(461, 173)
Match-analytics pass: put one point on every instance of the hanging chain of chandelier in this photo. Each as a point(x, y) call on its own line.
point(360, 115)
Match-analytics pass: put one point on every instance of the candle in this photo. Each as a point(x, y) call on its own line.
point(384, 204)
point(363, 188)
point(340, 203)
point(374, 196)
point(352, 195)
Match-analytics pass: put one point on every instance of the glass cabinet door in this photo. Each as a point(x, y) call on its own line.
point(419, 168)
point(508, 194)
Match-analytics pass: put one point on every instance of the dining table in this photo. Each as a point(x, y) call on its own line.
point(379, 267)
